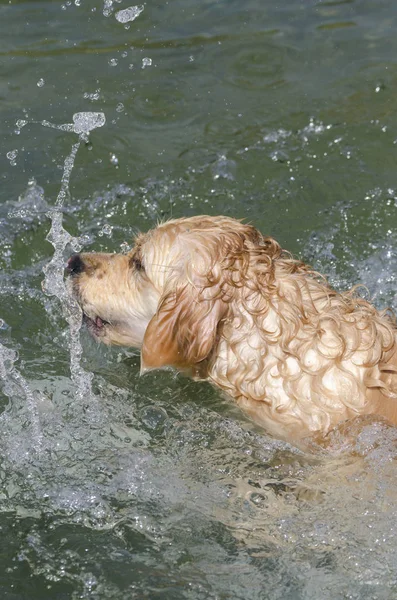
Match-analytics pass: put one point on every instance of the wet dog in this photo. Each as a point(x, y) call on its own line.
point(213, 297)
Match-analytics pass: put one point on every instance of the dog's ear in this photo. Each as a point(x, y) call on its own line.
point(184, 330)
point(214, 265)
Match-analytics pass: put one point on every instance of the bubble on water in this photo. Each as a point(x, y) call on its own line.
point(146, 62)
point(40, 83)
point(120, 107)
point(84, 122)
point(77, 2)
point(129, 14)
point(153, 417)
point(113, 62)
point(12, 155)
point(114, 160)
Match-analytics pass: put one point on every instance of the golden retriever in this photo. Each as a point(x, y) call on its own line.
point(211, 296)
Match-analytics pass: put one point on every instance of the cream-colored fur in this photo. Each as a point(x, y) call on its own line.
point(212, 296)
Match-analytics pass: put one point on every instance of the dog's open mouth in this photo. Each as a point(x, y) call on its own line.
point(96, 325)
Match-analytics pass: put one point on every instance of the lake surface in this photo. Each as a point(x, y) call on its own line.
point(120, 487)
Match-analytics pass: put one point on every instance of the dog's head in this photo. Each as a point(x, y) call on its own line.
point(172, 292)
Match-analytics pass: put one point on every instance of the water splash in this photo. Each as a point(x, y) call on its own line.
point(29, 205)
point(16, 386)
point(53, 284)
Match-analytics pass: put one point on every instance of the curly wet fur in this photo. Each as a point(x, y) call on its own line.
point(212, 296)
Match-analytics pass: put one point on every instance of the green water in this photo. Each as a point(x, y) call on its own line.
point(157, 487)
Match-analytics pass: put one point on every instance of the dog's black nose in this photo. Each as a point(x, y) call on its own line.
point(75, 265)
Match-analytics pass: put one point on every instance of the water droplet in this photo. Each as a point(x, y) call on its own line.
point(113, 62)
point(114, 160)
point(107, 229)
point(125, 247)
point(120, 107)
point(40, 83)
point(94, 96)
point(12, 155)
point(129, 14)
point(107, 8)
point(75, 244)
point(146, 62)
point(84, 122)
point(83, 240)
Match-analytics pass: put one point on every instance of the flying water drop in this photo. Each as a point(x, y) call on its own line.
point(129, 14)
